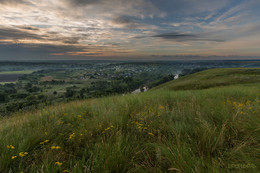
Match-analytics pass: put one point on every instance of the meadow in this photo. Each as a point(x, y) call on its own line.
point(204, 122)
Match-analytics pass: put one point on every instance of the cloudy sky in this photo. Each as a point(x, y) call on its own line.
point(128, 29)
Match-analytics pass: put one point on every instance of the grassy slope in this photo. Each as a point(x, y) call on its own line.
point(209, 130)
point(214, 78)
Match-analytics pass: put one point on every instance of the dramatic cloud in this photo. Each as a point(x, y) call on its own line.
point(135, 28)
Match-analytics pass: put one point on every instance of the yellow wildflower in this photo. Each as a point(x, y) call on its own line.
point(13, 157)
point(72, 136)
point(55, 147)
point(10, 147)
point(151, 134)
point(44, 142)
point(58, 163)
point(58, 147)
point(22, 154)
point(161, 107)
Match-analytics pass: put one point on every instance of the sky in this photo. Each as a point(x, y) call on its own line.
point(129, 29)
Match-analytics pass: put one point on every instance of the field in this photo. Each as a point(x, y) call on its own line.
point(205, 122)
point(9, 77)
point(16, 72)
point(12, 76)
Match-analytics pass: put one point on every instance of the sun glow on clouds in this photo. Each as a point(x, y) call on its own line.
point(90, 28)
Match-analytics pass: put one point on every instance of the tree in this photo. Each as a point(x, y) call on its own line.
point(82, 91)
point(3, 97)
point(69, 92)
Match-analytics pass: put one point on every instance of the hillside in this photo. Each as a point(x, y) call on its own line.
point(214, 78)
point(205, 122)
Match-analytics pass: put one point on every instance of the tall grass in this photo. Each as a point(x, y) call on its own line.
point(210, 130)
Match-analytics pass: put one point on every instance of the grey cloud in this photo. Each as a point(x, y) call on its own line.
point(137, 8)
point(178, 36)
point(71, 40)
point(84, 2)
point(10, 33)
point(22, 33)
point(122, 20)
point(11, 1)
point(126, 22)
point(14, 2)
point(187, 7)
point(34, 51)
point(30, 28)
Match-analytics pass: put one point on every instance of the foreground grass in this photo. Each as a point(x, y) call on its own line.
point(210, 130)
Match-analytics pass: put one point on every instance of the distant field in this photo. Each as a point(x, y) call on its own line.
point(16, 72)
point(12, 76)
point(9, 77)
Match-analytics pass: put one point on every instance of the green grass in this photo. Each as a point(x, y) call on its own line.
point(163, 130)
point(17, 72)
point(2, 83)
point(214, 78)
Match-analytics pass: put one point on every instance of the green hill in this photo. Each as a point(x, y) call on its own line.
point(204, 122)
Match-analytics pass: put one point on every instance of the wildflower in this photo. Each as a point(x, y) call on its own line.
point(58, 163)
point(53, 147)
point(10, 147)
point(65, 171)
point(13, 157)
point(46, 141)
point(161, 107)
point(22, 154)
point(58, 147)
point(72, 136)
point(151, 134)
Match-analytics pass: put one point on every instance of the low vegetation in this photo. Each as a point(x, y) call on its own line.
point(181, 126)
